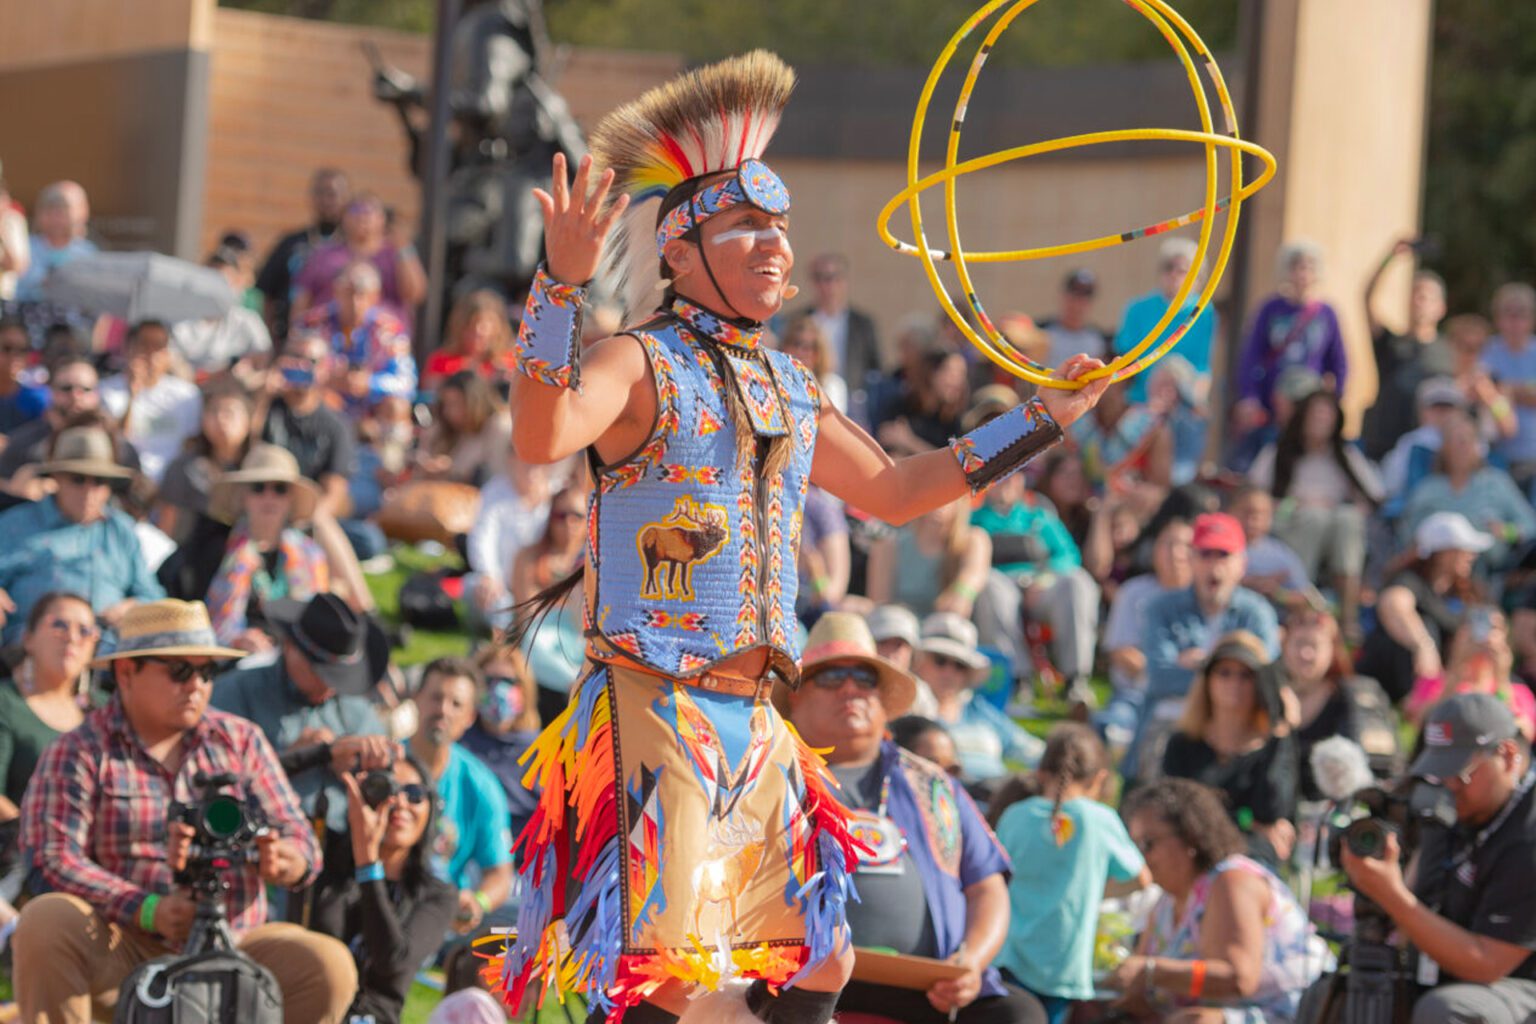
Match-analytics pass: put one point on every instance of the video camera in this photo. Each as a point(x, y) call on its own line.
point(226, 829)
point(1401, 810)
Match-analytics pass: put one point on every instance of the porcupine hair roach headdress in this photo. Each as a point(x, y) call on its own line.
point(716, 118)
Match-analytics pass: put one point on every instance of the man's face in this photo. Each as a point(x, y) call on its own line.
point(1075, 305)
point(304, 366)
point(1487, 781)
point(1217, 574)
point(82, 499)
point(1426, 301)
point(166, 695)
point(446, 705)
point(15, 349)
point(1514, 320)
point(328, 196)
point(303, 676)
point(896, 651)
point(152, 346)
point(749, 253)
point(830, 282)
point(1170, 275)
point(838, 705)
point(1256, 511)
point(355, 298)
point(73, 389)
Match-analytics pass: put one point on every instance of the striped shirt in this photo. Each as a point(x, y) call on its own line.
point(94, 817)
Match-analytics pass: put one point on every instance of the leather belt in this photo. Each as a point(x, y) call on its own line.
point(736, 686)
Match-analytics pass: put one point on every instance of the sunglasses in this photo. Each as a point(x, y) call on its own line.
point(79, 480)
point(833, 678)
point(83, 630)
point(945, 661)
point(414, 792)
point(182, 671)
point(276, 487)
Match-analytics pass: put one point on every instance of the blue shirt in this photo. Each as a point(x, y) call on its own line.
point(946, 874)
point(43, 551)
point(474, 826)
point(1175, 623)
point(1054, 904)
point(1507, 366)
point(985, 738)
point(501, 753)
point(1143, 314)
point(29, 288)
point(266, 696)
point(25, 405)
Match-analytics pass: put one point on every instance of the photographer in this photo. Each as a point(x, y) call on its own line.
point(382, 899)
point(1467, 904)
point(96, 817)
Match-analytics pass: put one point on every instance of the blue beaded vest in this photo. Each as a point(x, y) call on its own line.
point(691, 547)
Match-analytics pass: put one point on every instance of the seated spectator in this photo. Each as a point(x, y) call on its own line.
point(1293, 327)
point(925, 738)
point(72, 391)
point(473, 847)
point(559, 552)
point(895, 629)
point(268, 555)
point(826, 555)
point(1183, 626)
point(1295, 385)
point(1274, 570)
point(312, 701)
point(95, 819)
point(1233, 737)
point(1480, 661)
point(1463, 482)
point(937, 562)
point(1113, 550)
point(1064, 483)
point(1175, 258)
point(805, 339)
point(41, 698)
point(73, 539)
point(1078, 852)
point(158, 410)
point(236, 342)
point(1468, 335)
point(985, 737)
point(470, 433)
point(1032, 548)
point(377, 893)
point(478, 339)
point(1421, 607)
point(20, 401)
point(364, 237)
point(928, 415)
point(514, 511)
point(1326, 490)
point(919, 894)
point(1177, 395)
point(506, 724)
point(1412, 458)
point(1510, 359)
point(1330, 699)
point(1124, 630)
point(1226, 937)
point(370, 345)
point(300, 421)
point(218, 448)
point(1125, 450)
point(1071, 330)
point(1403, 361)
point(386, 441)
point(61, 216)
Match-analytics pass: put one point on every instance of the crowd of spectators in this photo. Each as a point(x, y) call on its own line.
point(241, 476)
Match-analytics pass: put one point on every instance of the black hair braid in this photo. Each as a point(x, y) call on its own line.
point(1073, 753)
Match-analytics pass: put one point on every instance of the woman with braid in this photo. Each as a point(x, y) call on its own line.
point(1078, 851)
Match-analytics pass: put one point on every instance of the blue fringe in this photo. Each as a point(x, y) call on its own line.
point(532, 918)
point(597, 924)
point(592, 688)
point(824, 905)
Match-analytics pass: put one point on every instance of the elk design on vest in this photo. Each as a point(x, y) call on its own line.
point(691, 534)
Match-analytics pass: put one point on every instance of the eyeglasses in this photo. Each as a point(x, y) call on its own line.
point(71, 389)
point(834, 677)
point(1476, 762)
point(83, 630)
point(182, 671)
point(79, 480)
point(277, 487)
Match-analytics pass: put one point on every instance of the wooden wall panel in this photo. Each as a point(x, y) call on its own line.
point(34, 32)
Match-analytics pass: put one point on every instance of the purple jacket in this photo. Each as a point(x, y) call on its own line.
point(1286, 334)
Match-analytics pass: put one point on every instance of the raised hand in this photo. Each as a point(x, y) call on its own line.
point(575, 225)
point(1067, 407)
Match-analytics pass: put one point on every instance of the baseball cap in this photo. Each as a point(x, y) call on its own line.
point(1459, 727)
point(893, 622)
point(1449, 531)
point(1440, 391)
point(1081, 281)
point(1217, 531)
point(1297, 382)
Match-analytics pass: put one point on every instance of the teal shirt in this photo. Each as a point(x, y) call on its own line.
point(474, 827)
point(266, 696)
point(1057, 886)
point(1143, 314)
point(43, 551)
point(1030, 518)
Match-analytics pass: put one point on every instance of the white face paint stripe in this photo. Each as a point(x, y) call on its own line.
point(755, 234)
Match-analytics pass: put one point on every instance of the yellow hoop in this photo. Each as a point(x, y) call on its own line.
point(992, 344)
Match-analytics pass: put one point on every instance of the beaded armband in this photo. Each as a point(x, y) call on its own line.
point(549, 340)
point(1002, 445)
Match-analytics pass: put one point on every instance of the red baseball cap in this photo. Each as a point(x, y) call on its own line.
point(1217, 531)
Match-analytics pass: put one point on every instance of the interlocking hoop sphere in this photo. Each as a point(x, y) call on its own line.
point(990, 341)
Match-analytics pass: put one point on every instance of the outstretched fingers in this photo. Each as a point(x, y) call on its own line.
point(559, 189)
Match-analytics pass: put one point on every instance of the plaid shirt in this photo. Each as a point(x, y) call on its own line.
point(94, 813)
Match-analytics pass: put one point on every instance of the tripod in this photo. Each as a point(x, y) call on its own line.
point(1374, 989)
point(210, 923)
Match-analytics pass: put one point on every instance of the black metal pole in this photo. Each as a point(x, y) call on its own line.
point(434, 191)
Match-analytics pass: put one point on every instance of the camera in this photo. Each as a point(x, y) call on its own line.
point(225, 830)
point(377, 787)
point(1399, 811)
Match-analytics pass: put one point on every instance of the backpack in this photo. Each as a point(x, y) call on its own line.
point(218, 986)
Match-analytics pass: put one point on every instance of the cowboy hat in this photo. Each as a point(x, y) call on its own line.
point(347, 650)
point(843, 637)
point(86, 451)
point(263, 464)
point(167, 629)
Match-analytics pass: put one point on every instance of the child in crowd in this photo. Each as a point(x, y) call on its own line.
point(1074, 846)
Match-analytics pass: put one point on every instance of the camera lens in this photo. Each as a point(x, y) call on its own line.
point(377, 787)
point(223, 817)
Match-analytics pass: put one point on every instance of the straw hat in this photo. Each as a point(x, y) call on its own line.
point(844, 637)
point(167, 629)
point(87, 451)
point(263, 464)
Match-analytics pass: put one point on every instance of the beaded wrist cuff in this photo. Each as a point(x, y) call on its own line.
point(549, 340)
point(998, 447)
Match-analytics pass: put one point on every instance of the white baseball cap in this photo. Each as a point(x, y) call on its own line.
point(1449, 531)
